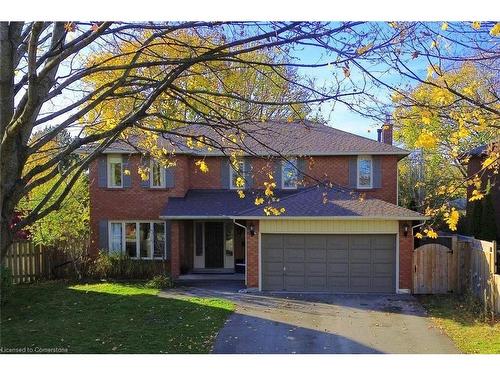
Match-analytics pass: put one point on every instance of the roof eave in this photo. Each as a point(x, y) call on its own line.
point(281, 217)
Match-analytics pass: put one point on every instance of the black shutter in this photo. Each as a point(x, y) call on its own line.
point(103, 234)
point(353, 172)
point(224, 174)
point(102, 171)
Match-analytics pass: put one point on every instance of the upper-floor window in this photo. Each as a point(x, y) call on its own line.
point(115, 171)
point(157, 173)
point(365, 172)
point(289, 174)
point(236, 174)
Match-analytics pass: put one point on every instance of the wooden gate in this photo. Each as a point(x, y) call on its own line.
point(435, 269)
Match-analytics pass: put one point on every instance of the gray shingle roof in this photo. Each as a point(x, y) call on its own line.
point(310, 202)
point(272, 138)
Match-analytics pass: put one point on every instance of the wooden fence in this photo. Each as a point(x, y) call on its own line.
point(479, 260)
point(28, 262)
point(25, 262)
point(469, 265)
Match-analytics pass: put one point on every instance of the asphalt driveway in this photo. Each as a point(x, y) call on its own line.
point(321, 323)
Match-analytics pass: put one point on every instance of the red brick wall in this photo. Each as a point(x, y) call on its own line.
point(138, 203)
point(405, 257)
point(253, 256)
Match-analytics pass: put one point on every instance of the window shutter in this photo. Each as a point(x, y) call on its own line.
point(168, 239)
point(127, 179)
point(377, 172)
point(353, 172)
point(248, 174)
point(224, 173)
point(146, 163)
point(170, 177)
point(103, 234)
point(102, 171)
point(277, 172)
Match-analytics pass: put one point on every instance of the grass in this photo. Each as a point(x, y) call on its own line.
point(464, 322)
point(109, 318)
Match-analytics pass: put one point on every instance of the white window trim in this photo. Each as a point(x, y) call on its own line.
point(162, 175)
point(137, 241)
point(232, 173)
point(292, 161)
point(110, 157)
point(360, 158)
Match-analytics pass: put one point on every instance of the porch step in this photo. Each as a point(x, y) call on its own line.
point(212, 276)
point(208, 271)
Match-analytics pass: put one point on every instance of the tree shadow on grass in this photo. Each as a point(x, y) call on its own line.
point(95, 322)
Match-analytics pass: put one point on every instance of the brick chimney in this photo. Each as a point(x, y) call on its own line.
point(387, 132)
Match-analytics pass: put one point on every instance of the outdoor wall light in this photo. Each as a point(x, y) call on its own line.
point(251, 228)
point(406, 228)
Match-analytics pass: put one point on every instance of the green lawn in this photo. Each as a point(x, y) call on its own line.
point(465, 325)
point(109, 318)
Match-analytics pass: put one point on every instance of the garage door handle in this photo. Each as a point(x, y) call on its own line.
point(284, 269)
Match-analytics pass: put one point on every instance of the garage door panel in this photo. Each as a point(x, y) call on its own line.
point(295, 283)
point(383, 242)
point(383, 256)
point(338, 284)
point(339, 255)
point(338, 269)
point(383, 269)
point(382, 284)
point(337, 242)
point(274, 267)
point(315, 242)
point(360, 242)
point(295, 268)
point(315, 255)
point(294, 255)
point(316, 269)
point(316, 284)
point(273, 254)
point(360, 256)
point(358, 283)
point(273, 282)
point(293, 241)
point(272, 241)
point(360, 269)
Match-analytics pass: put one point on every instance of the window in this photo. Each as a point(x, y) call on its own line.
point(365, 172)
point(236, 174)
point(115, 171)
point(289, 174)
point(138, 240)
point(157, 173)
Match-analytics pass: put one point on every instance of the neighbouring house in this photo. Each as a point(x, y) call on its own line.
point(475, 158)
point(342, 229)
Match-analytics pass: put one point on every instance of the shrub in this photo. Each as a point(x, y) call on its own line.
point(116, 266)
point(159, 282)
point(5, 284)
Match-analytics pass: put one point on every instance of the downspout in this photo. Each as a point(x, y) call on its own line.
point(246, 260)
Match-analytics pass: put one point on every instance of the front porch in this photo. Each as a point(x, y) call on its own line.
point(215, 249)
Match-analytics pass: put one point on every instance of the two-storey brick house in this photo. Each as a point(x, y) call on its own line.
point(341, 231)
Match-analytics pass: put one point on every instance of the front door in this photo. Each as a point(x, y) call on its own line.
point(214, 245)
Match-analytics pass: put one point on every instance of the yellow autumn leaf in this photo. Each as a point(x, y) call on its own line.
point(476, 25)
point(126, 172)
point(491, 160)
point(432, 234)
point(476, 196)
point(451, 219)
point(259, 201)
point(241, 194)
point(426, 140)
point(202, 165)
point(495, 30)
point(240, 182)
point(419, 235)
point(444, 26)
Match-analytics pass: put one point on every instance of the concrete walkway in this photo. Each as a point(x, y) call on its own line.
point(320, 323)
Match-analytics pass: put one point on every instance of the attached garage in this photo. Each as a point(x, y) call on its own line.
point(343, 263)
